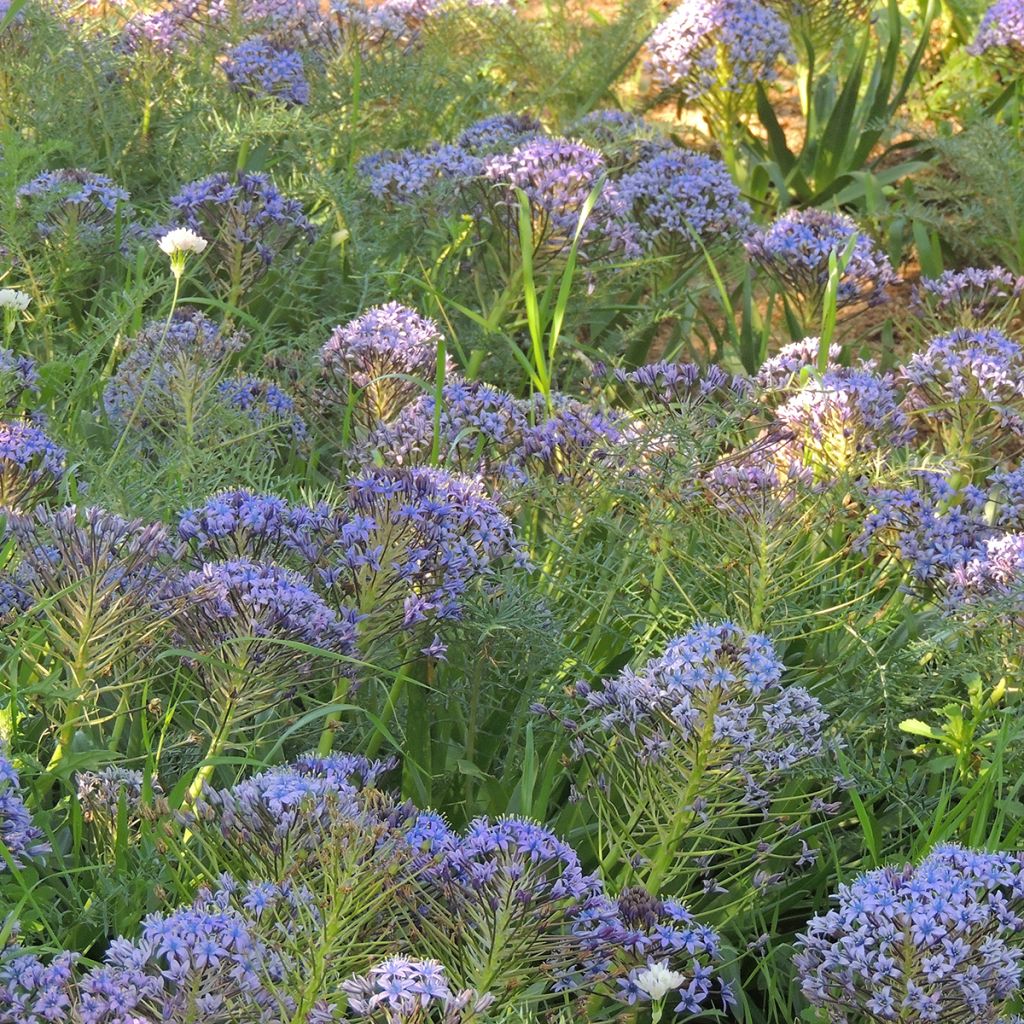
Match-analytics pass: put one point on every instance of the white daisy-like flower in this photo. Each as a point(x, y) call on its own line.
point(182, 241)
point(657, 980)
point(12, 298)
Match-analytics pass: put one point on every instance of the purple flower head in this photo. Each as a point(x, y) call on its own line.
point(487, 433)
point(237, 613)
point(1006, 491)
point(932, 529)
point(482, 431)
point(238, 524)
point(649, 948)
point(935, 942)
point(681, 201)
point(257, 67)
point(19, 837)
point(268, 407)
point(78, 204)
point(248, 221)
point(411, 176)
point(370, 360)
point(572, 439)
point(676, 385)
point(510, 891)
point(557, 176)
point(14, 600)
point(172, 27)
point(404, 546)
point(844, 413)
point(411, 542)
point(623, 139)
point(795, 250)
point(179, 26)
point(973, 297)
point(705, 45)
point(101, 795)
point(92, 570)
point(786, 368)
point(288, 814)
point(709, 717)
point(402, 990)
point(19, 379)
point(33, 990)
point(1001, 32)
point(990, 585)
point(165, 369)
point(761, 481)
point(399, 22)
point(968, 386)
point(210, 955)
point(31, 465)
point(502, 132)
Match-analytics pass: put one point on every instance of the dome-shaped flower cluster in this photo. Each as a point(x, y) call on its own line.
point(931, 943)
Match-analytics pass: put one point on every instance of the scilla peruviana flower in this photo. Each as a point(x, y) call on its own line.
point(178, 244)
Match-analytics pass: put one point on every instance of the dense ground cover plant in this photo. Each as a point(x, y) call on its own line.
point(511, 512)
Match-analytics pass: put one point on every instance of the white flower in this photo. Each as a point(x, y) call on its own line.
point(182, 240)
point(657, 980)
point(11, 298)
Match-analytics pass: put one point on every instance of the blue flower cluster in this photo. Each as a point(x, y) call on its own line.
point(844, 413)
point(31, 465)
point(286, 813)
point(247, 219)
point(508, 891)
point(969, 384)
point(166, 367)
point(400, 22)
point(410, 991)
point(259, 68)
point(404, 546)
point(973, 297)
point(557, 177)
point(208, 959)
point(624, 938)
point(381, 361)
point(795, 250)
point(939, 942)
point(694, 737)
point(933, 529)
point(792, 364)
point(19, 379)
point(705, 45)
point(265, 404)
point(671, 385)
point(179, 25)
point(101, 795)
point(409, 176)
point(19, 837)
point(1001, 32)
point(682, 201)
point(623, 138)
point(77, 204)
point(503, 440)
point(239, 612)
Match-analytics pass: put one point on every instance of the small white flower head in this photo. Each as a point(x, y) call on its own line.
point(182, 240)
point(657, 980)
point(179, 244)
point(11, 298)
